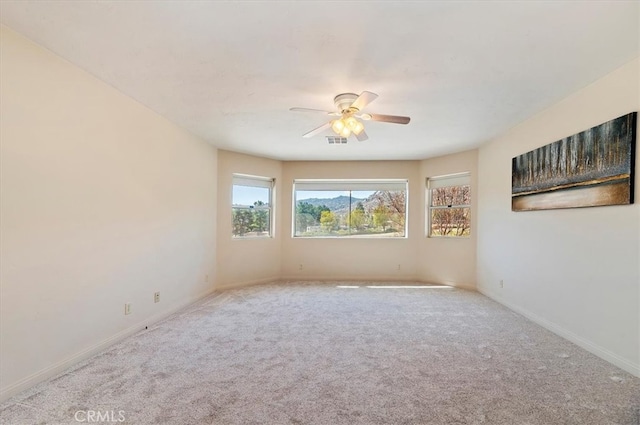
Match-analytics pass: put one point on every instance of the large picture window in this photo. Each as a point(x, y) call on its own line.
point(252, 206)
point(350, 208)
point(449, 205)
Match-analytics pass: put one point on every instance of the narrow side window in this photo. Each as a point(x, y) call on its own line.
point(449, 206)
point(252, 209)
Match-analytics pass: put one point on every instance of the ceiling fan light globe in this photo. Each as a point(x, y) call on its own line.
point(351, 122)
point(337, 126)
point(345, 132)
point(358, 128)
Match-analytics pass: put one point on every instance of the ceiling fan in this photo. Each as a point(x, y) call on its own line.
point(349, 110)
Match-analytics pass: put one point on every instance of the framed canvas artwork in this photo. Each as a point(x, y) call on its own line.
point(589, 169)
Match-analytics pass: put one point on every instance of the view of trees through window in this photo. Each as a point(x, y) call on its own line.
point(251, 208)
point(450, 212)
point(352, 208)
point(344, 213)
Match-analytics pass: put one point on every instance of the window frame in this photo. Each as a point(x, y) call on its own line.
point(447, 180)
point(350, 185)
point(248, 180)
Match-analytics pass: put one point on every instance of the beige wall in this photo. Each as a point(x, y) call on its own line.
point(351, 258)
point(103, 202)
point(575, 271)
point(450, 261)
point(248, 260)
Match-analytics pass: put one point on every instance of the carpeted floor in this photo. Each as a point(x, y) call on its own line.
point(339, 353)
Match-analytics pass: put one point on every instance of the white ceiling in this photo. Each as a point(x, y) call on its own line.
point(464, 72)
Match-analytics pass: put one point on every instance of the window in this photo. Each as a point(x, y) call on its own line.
point(449, 205)
point(350, 208)
point(252, 206)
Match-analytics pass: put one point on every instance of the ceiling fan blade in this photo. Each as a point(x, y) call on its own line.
point(318, 130)
point(390, 118)
point(365, 98)
point(314, 110)
point(362, 136)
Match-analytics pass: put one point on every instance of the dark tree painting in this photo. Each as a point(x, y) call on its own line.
point(591, 168)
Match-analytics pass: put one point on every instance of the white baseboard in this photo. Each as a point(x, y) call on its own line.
point(236, 285)
point(55, 369)
point(461, 286)
point(599, 351)
point(324, 278)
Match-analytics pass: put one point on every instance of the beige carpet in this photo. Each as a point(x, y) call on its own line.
point(323, 353)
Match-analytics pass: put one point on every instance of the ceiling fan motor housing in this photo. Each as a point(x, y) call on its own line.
point(343, 102)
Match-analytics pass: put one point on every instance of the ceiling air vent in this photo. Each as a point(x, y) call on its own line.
point(336, 140)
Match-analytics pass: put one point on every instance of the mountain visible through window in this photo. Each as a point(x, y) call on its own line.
point(344, 208)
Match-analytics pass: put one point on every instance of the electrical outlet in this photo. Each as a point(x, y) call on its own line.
point(501, 283)
point(156, 297)
point(206, 278)
point(300, 267)
point(127, 308)
point(398, 267)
